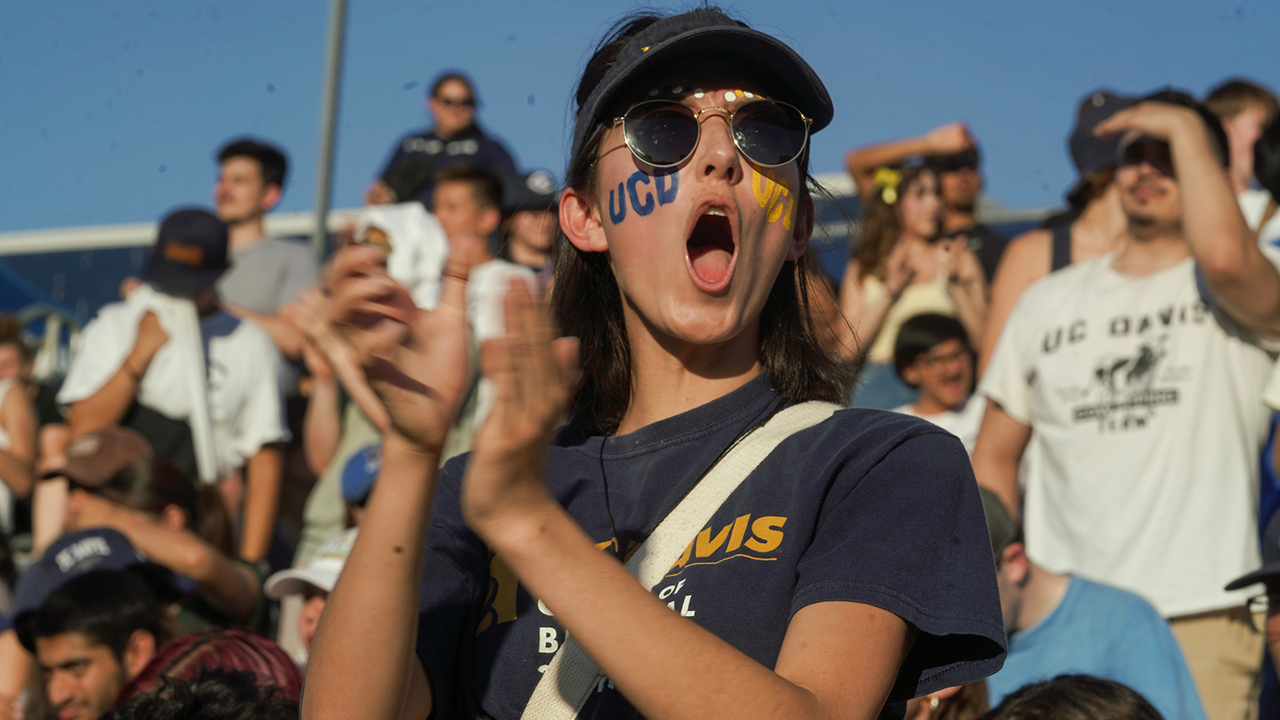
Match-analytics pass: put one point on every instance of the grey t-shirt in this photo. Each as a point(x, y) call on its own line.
point(268, 275)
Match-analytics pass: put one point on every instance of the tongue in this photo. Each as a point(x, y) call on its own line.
point(711, 263)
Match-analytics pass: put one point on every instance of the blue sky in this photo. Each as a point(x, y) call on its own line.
point(110, 111)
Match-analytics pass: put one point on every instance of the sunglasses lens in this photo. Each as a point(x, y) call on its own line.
point(661, 133)
point(769, 133)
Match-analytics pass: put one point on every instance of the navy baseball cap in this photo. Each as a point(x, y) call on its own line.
point(361, 470)
point(703, 34)
point(530, 191)
point(1089, 152)
point(190, 252)
point(72, 556)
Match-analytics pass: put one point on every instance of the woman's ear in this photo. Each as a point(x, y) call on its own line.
point(580, 220)
point(803, 229)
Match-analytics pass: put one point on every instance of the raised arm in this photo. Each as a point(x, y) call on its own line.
point(109, 404)
point(863, 161)
point(228, 586)
point(363, 661)
point(263, 473)
point(998, 452)
point(967, 285)
point(838, 659)
point(1025, 260)
point(18, 419)
point(1243, 281)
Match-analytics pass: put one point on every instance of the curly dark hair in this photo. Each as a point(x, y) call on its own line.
point(214, 694)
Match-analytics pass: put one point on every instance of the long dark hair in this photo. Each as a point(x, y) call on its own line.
point(588, 303)
point(880, 227)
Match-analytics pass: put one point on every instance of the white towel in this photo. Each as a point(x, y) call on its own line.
point(176, 381)
point(419, 248)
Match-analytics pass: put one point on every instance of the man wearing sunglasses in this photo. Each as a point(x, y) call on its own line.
point(952, 152)
point(454, 139)
point(1141, 373)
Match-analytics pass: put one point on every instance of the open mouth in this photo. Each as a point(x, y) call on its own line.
point(710, 247)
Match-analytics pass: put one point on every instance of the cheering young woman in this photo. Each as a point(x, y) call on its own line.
point(850, 568)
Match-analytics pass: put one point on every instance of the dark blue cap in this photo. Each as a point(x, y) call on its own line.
point(190, 252)
point(1089, 152)
point(708, 34)
point(71, 556)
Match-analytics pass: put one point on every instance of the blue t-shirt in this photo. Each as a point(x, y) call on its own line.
point(1108, 632)
point(869, 506)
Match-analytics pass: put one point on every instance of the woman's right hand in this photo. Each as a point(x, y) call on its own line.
point(899, 270)
point(415, 360)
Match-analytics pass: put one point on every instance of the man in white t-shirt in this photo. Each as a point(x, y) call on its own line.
point(1140, 373)
point(201, 385)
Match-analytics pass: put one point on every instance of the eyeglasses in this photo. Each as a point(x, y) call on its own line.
point(456, 102)
point(664, 133)
point(1148, 150)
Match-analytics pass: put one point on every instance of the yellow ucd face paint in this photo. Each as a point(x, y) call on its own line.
point(775, 197)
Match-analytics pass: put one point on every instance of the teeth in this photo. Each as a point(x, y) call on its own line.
point(715, 211)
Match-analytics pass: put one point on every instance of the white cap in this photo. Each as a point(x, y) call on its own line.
point(321, 571)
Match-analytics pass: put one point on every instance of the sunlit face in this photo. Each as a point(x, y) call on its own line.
point(944, 374)
point(696, 248)
point(309, 619)
point(240, 194)
point(1149, 189)
point(920, 207)
point(959, 187)
point(82, 678)
point(1243, 131)
point(452, 108)
point(535, 229)
point(455, 206)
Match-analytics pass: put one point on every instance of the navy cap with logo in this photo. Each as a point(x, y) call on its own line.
point(705, 34)
point(531, 191)
point(1089, 152)
point(190, 253)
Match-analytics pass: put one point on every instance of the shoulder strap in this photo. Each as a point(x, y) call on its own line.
point(571, 675)
point(1061, 246)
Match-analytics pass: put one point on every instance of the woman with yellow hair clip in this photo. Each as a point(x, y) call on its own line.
point(899, 268)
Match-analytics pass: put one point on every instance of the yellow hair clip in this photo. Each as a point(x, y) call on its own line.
point(887, 179)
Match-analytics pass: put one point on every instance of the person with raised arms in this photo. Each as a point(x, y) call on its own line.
point(848, 569)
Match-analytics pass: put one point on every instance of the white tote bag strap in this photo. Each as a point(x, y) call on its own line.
point(571, 675)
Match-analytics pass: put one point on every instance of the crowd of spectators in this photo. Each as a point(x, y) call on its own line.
point(1108, 373)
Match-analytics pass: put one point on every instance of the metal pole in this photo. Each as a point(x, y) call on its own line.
point(328, 123)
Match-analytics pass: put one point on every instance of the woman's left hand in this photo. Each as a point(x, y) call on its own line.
point(534, 374)
point(86, 510)
point(959, 264)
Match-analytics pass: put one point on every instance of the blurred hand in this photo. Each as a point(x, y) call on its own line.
point(415, 360)
point(899, 270)
point(379, 193)
point(1154, 119)
point(327, 354)
point(950, 138)
point(534, 375)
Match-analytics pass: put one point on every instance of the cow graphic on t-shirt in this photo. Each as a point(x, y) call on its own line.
point(1121, 392)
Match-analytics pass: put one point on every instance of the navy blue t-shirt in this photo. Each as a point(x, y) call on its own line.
point(418, 157)
point(869, 506)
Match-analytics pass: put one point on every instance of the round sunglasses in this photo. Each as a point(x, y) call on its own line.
point(664, 133)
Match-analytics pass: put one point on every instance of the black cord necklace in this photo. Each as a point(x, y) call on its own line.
point(760, 419)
